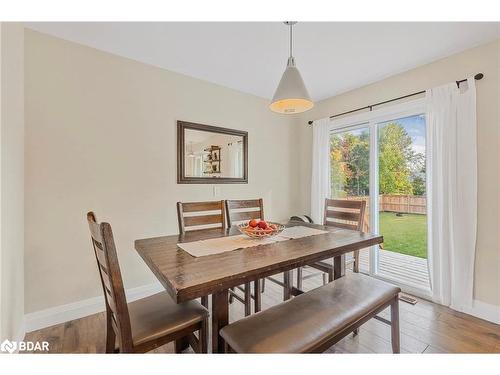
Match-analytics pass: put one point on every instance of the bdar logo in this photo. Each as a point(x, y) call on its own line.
point(8, 346)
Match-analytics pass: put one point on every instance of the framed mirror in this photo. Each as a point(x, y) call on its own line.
point(211, 155)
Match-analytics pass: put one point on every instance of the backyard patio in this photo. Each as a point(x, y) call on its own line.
point(403, 255)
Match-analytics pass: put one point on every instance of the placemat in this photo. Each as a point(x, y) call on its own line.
point(221, 245)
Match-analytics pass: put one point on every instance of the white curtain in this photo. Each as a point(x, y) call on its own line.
point(451, 121)
point(320, 179)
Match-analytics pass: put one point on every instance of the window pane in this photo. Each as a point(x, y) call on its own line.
point(402, 200)
point(350, 163)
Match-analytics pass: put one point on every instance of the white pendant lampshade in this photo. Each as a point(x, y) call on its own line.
point(291, 96)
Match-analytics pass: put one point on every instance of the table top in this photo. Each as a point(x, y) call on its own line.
point(186, 277)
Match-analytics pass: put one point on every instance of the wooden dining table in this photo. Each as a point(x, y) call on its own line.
point(186, 277)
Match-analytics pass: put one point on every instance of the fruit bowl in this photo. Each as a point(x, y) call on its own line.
point(260, 229)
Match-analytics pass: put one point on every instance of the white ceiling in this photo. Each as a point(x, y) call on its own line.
point(333, 57)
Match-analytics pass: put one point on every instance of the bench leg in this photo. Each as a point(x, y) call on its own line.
point(395, 325)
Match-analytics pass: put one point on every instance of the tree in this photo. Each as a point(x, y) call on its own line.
point(349, 158)
point(417, 166)
point(401, 169)
point(394, 160)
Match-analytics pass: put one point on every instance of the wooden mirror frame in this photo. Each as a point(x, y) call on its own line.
point(181, 174)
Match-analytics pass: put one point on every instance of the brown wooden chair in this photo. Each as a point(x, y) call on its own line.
point(150, 322)
point(198, 215)
point(244, 210)
point(347, 214)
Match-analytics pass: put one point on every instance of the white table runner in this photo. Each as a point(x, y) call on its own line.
point(223, 244)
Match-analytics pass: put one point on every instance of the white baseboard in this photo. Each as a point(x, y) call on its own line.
point(64, 313)
point(21, 332)
point(484, 311)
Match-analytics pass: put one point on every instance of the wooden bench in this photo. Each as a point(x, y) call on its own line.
point(314, 321)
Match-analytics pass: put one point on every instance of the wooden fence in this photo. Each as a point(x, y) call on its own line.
point(409, 204)
point(406, 204)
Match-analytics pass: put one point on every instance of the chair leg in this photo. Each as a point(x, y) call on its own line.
point(299, 278)
point(110, 335)
point(181, 344)
point(355, 266)
point(248, 299)
point(325, 279)
point(331, 275)
point(395, 325)
point(204, 301)
point(203, 337)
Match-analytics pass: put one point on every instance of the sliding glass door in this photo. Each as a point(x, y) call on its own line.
point(381, 157)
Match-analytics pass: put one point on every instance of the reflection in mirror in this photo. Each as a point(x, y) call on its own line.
point(213, 155)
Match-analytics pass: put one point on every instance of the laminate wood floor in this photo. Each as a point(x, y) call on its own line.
point(425, 328)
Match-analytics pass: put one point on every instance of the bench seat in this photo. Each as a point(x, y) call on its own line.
point(314, 321)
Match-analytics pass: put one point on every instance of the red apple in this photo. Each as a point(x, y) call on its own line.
point(262, 224)
point(253, 223)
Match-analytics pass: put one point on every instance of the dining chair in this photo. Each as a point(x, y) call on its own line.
point(339, 213)
point(200, 216)
point(147, 323)
point(238, 211)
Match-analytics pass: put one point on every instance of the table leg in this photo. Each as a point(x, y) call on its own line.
point(257, 295)
point(248, 299)
point(220, 319)
point(338, 266)
point(287, 281)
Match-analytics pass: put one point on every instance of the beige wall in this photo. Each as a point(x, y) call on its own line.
point(484, 59)
point(12, 181)
point(101, 135)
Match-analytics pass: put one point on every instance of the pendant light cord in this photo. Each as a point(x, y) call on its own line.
point(291, 39)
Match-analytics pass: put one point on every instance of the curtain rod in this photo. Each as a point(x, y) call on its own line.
point(477, 77)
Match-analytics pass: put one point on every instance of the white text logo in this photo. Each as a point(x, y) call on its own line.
point(24, 346)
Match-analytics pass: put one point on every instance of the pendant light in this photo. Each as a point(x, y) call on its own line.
point(291, 96)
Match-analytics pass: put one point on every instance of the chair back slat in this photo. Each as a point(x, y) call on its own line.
point(342, 215)
point(242, 210)
point(200, 214)
point(242, 216)
point(111, 280)
point(244, 203)
point(201, 206)
point(345, 203)
point(191, 221)
point(346, 214)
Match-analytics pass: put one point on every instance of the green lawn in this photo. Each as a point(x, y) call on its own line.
point(406, 234)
